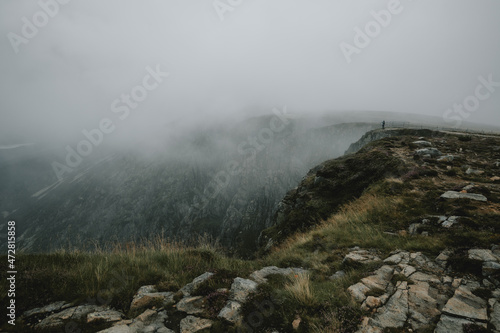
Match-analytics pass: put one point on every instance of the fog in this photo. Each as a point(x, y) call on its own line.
point(65, 68)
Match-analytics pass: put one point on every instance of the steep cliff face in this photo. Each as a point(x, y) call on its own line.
point(325, 189)
point(225, 182)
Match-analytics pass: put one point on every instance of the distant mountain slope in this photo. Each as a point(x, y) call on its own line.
point(223, 181)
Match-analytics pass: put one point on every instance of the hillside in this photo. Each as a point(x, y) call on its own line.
point(400, 236)
point(221, 181)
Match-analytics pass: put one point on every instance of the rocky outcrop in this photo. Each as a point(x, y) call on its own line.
point(413, 291)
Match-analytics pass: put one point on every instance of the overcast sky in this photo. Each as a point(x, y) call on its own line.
point(253, 54)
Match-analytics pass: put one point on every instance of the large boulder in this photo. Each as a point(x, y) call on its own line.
point(190, 287)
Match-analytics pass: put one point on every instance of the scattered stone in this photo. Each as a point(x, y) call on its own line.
point(192, 324)
point(231, 312)
point(456, 283)
point(468, 187)
point(432, 152)
point(413, 228)
point(148, 296)
point(495, 178)
point(296, 323)
point(422, 143)
point(192, 305)
point(260, 275)
point(146, 315)
point(106, 316)
point(490, 268)
point(241, 288)
point(190, 287)
point(459, 195)
point(446, 158)
point(337, 275)
point(482, 255)
point(397, 258)
point(471, 171)
point(361, 256)
point(450, 221)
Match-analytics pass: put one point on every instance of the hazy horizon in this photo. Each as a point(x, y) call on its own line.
point(68, 65)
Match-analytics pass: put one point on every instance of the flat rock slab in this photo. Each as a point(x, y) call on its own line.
point(466, 305)
point(260, 275)
point(460, 195)
point(54, 307)
point(482, 255)
point(192, 324)
point(146, 300)
point(449, 324)
point(58, 320)
point(395, 313)
point(361, 256)
point(106, 316)
point(402, 257)
point(422, 306)
point(192, 305)
point(429, 151)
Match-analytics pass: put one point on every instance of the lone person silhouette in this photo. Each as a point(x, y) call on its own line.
point(383, 124)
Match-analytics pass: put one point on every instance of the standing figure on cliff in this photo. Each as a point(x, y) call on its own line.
point(383, 124)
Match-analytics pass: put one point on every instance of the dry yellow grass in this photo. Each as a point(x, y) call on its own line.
point(300, 288)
